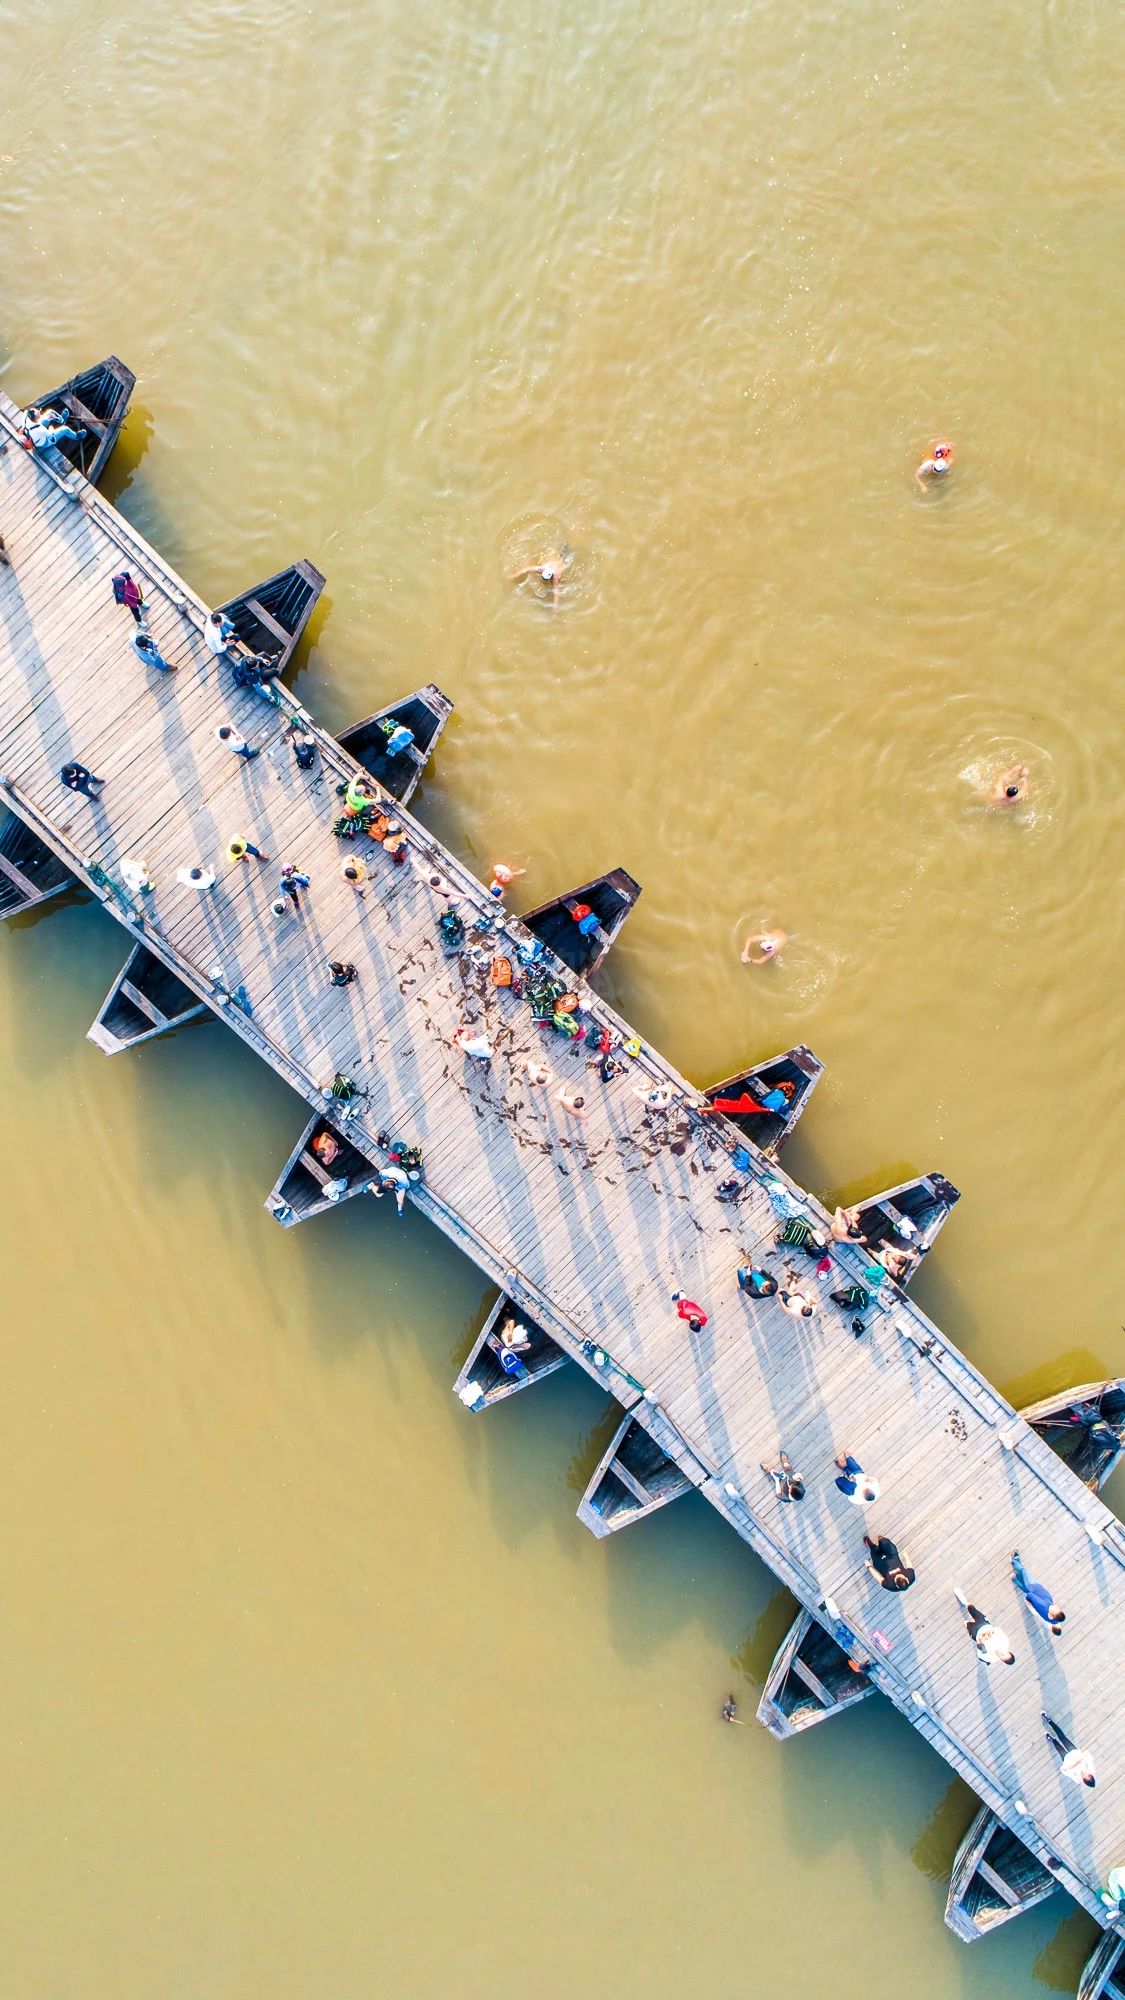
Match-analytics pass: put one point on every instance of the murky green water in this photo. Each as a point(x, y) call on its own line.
point(312, 1684)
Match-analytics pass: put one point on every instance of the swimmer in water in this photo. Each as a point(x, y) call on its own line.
point(937, 464)
point(769, 943)
point(550, 569)
point(1011, 787)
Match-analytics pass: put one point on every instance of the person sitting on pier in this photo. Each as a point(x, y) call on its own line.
point(687, 1309)
point(887, 1563)
point(846, 1226)
point(787, 1484)
point(759, 1284)
point(550, 569)
point(854, 1483)
point(897, 1264)
point(730, 1188)
point(219, 634)
point(472, 1044)
point(991, 1641)
point(797, 1304)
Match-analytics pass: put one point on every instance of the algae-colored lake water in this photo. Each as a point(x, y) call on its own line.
point(311, 1683)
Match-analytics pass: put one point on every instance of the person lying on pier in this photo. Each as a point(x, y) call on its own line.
point(760, 1284)
point(550, 569)
point(991, 1641)
point(41, 425)
point(1038, 1597)
point(787, 1484)
point(219, 634)
point(887, 1563)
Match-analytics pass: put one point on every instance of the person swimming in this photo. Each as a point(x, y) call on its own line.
point(769, 944)
point(550, 569)
point(939, 462)
point(1011, 787)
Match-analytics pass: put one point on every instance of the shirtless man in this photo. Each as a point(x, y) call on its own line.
point(1011, 787)
point(769, 944)
point(550, 569)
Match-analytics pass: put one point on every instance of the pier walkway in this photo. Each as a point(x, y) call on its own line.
point(589, 1225)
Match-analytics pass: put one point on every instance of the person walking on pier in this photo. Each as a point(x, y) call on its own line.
point(127, 591)
point(241, 849)
point(1037, 1596)
point(687, 1309)
point(1075, 1763)
point(196, 878)
point(991, 1641)
point(219, 634)
point(77, 778)
point(233, 741)
point(146, 649)
point(341, 972)
point(291, 883)
point(787, 1484)
point(854, 1483)
point(887, 1562)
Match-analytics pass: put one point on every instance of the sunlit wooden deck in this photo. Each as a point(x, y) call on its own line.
point(589, 1225)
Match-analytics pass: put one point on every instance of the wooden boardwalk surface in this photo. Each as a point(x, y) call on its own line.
point(590, 1224)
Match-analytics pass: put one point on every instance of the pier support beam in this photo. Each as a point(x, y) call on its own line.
point(496, 1369)
point(565, 925)
point(811, 1678)
point(30, 873)
point(1085, 1427)
point(633, 1479)
point(791, 1077)
point(271, 617)
point(1103, 1975)
point(425, 713)
point(994, 1878)
point(96, 401)
point(144, 1001)
point(315, 1178)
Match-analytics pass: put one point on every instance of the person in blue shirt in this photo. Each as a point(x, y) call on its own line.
point(1038, 1596)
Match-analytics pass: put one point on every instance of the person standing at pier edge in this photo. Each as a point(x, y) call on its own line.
point(127, 591)
point(886, 1561)
point(687, 1309)
point(77, 778)
point(991, 1641)
point(291, 883)
point(1038, 1596)
point(1076, 1764)
point(219, 634)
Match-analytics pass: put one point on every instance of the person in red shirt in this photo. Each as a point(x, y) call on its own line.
point(687, 1309)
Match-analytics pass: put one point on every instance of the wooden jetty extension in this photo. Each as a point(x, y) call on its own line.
point(585, 1227)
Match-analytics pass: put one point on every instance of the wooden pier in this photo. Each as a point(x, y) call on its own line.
point(586, 1225)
